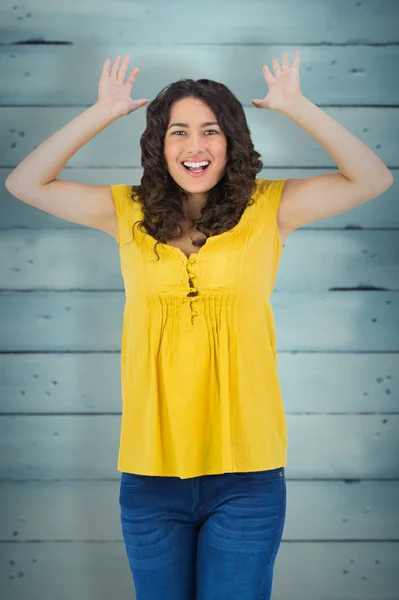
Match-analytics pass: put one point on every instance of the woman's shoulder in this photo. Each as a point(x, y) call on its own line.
point(125, 199)
point(269, 191)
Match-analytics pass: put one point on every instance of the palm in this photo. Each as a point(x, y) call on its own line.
point(284, 87)
point(114, 92)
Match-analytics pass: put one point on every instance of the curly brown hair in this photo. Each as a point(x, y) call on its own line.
point(161, 198)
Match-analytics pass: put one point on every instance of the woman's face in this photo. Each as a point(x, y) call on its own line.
point(197, 137)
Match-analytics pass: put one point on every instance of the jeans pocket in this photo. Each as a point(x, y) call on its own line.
point(132, 480)
point(266, 475)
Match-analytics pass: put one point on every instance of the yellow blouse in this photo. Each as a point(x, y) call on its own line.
point(200, 385)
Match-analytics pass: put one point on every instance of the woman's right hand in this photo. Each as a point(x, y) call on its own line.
point(113, 92)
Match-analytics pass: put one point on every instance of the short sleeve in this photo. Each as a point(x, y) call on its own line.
point(122, 202)
point(274, 191)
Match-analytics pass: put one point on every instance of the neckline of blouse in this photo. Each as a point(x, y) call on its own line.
point(196, 255)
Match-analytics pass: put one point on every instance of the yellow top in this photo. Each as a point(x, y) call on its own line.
point(200, 385)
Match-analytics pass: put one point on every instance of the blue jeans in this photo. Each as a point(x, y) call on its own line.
point(213, 537)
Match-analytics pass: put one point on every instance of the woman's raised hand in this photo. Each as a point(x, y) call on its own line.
point(114, 92)
point(284, 87)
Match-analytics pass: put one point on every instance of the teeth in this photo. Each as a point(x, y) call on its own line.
point(196, 164)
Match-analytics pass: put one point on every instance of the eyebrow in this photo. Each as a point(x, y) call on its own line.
point(186, 124)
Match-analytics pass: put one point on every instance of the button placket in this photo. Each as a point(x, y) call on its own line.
point(193, 289)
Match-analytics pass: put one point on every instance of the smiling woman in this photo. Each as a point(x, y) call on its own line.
point(202, 404)
point(195, 122)
point(198, 345)
point(197, 145)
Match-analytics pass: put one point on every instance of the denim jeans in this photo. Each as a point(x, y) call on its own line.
point(213, 537)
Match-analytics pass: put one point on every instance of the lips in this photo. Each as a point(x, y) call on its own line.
point(193, 174)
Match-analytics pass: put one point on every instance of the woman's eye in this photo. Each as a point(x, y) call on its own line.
point(207, 131)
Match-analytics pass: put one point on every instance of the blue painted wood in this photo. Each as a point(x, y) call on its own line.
point(60, 380)
point(303, 571)
point(355, 321)
point(331, 75)
point(341, 511)
point(85, 446)
point(89, 383)
point(279, 140)
point(156, 22)
point(381, 212)
point(312, 260)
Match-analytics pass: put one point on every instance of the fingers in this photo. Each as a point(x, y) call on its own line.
point(132, 77)
point(122, 70)
point(115, 66)
point(142, 102)
point(285, 61)
point(106, 67)
point(266, 72)
point(276, 66)
point(285, 64)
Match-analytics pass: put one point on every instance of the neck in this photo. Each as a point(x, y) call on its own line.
point(193, 205)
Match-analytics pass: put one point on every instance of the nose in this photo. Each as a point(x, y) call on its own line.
point(196, 142)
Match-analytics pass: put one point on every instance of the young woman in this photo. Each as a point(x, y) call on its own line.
point(203, 434)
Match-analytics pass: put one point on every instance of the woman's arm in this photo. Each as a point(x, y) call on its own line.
point(43, 165)
point(34, 179)
point(362, 175)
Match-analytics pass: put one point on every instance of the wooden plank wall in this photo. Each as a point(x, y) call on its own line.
point(335, 300)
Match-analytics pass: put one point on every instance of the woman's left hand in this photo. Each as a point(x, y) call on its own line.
point(284, 88)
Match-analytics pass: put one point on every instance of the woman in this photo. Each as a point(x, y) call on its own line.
point(203, 436)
